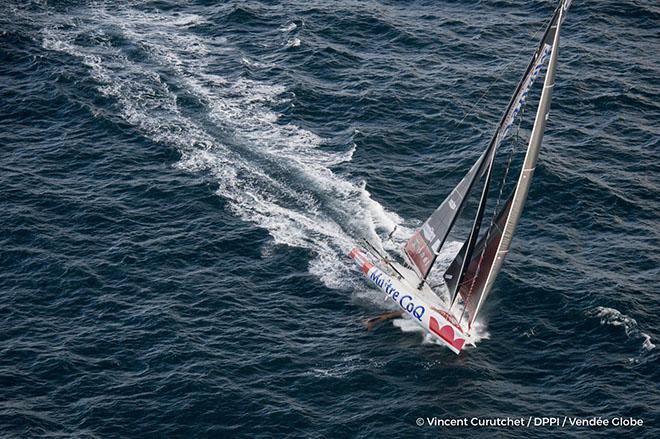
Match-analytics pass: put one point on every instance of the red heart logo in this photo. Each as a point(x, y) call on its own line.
point(446, 333)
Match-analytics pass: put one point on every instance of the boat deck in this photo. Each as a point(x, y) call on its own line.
point(411, 279)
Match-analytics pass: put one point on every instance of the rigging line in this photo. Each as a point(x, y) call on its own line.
point(483, 95)
point(495, 210)
point(533, 70)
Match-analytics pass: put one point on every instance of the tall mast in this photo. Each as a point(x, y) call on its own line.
point(424, 246)
point(523, 87)
point(525, 178)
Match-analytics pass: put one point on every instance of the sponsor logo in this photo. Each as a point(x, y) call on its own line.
point(405, 301)
point(450, 318)
point(446, 333)
point(428, 232)
point(419, 252)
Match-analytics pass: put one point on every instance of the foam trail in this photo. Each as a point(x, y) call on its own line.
point(278, 176)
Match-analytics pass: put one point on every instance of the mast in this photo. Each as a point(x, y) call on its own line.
point(424, 246)
point(529, 164)
point(523, 87)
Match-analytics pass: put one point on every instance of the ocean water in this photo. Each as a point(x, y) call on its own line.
point(180, 183)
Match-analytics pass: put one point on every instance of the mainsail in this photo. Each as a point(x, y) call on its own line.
point(472, 274)
point(423, 247)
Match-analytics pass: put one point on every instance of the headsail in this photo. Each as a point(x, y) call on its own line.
point(423, 247)
point(474, 275)
point(480, 262)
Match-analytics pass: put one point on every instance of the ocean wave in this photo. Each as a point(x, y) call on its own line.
point(136, 296)
point(614, 317)
point(293, 42)
point(289, 27)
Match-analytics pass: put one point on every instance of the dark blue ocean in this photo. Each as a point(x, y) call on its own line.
point(180, 183)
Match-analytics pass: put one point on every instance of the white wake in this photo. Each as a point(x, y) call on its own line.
point(276, 175)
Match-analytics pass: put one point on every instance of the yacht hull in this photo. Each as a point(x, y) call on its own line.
point(434, 318)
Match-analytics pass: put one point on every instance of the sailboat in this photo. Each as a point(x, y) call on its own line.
point(468, 280)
